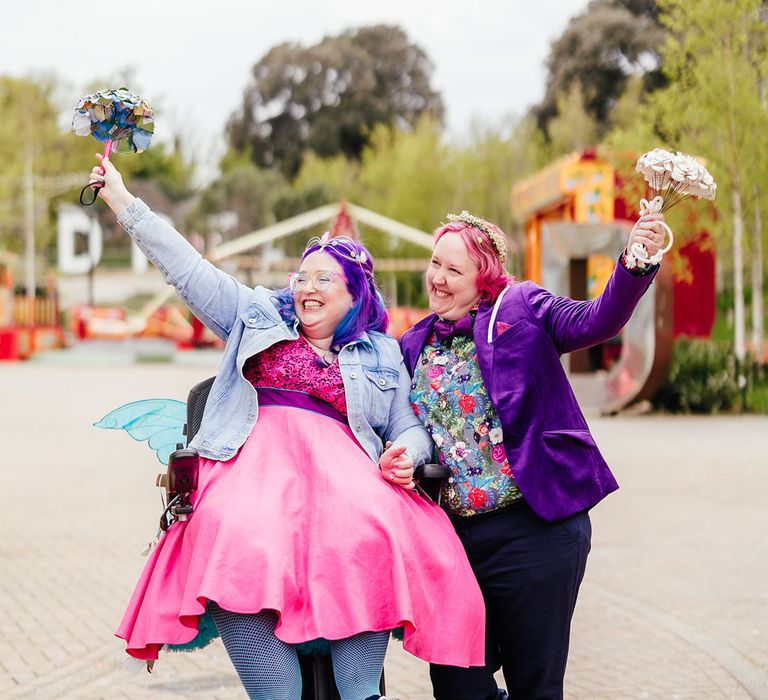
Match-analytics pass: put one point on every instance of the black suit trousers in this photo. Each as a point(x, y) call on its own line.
point(529, 571)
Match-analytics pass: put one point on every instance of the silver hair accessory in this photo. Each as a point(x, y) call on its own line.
point(342, 245)
point(496, 239)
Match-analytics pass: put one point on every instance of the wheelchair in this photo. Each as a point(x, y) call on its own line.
point(180, 480)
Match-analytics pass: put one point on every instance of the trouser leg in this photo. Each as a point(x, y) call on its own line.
point(473, 683)
point(531, 600)
point(529, 571)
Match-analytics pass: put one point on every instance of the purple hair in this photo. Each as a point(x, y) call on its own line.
point(368, 312)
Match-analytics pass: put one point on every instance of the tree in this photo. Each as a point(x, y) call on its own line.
point(246, 191)
point(337, 176)
point(713, 108)
point(634, 131)
point(641, 8)
point(328, 98)
point(33, 149)
point(598, 51)
point(164, 166)
point(574, 128)
point(758, 264)
point(406, 175)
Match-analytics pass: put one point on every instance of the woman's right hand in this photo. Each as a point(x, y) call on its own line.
point(397, 467)
point(113, 192)
point(648, 231)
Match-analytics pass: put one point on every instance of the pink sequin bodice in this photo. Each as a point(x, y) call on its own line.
point(293, 364)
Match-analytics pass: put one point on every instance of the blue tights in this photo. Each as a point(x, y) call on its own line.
point(269, 668)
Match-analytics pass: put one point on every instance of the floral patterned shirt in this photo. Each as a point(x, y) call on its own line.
point(449, 397)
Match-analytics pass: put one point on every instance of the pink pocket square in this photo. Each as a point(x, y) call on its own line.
point(502, 328)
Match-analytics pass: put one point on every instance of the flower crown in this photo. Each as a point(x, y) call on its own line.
point(496, 238)
point(344, 246)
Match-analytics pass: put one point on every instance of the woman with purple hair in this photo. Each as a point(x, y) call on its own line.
point(304, 526)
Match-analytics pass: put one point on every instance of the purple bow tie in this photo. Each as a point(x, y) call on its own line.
point(448, 329)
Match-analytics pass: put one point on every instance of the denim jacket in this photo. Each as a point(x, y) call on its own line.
point(376, 382)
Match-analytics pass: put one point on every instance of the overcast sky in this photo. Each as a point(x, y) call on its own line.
point(192, 59)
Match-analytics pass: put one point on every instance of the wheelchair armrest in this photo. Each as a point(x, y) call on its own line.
point(431, 471)
point(198, 395)
point(430, 478)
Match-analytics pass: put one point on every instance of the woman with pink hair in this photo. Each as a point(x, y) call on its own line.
point(488, 385)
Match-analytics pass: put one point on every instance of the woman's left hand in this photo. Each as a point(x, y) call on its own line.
point(648, 231)
point(397, 467)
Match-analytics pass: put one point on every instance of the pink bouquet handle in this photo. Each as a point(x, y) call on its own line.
point(94, 188)
point(107, 153)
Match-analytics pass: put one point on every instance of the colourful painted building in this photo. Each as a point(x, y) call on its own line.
point(576, 221)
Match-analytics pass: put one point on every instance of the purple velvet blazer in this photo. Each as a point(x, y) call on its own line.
point(519, 340)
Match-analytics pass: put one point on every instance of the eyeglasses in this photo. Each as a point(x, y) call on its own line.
point(321, 280)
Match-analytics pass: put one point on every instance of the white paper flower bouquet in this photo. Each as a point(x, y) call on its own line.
point(672, 177)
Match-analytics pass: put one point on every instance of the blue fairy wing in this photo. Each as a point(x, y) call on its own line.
point(160, 422)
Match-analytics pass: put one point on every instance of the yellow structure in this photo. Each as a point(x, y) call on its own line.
point(578, 188)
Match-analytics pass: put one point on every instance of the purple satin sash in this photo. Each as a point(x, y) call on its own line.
point(269, 396)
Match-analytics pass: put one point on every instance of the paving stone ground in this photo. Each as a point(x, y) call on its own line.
point(674, 604)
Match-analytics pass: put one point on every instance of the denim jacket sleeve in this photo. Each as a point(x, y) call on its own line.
point(404, 428)
point(211, 294)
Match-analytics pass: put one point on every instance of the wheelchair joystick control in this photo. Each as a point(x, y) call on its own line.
point(180, 480)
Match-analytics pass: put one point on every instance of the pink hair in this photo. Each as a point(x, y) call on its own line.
point(492, 278)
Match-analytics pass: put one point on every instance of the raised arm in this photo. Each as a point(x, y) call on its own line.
point(211, 294)
point(575, 325)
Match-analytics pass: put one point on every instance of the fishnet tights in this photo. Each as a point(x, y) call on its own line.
point(269, 668)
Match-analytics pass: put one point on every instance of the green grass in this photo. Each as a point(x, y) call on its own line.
point(757, 399)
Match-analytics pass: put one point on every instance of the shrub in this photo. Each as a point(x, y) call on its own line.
point(757, 390)
point(704, 378)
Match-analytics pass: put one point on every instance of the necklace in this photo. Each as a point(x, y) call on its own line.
point(328, 356)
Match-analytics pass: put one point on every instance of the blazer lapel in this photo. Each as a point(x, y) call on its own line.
point(414, 340)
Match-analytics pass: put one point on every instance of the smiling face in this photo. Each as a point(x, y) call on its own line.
point(451, 278)
point(319, 312)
